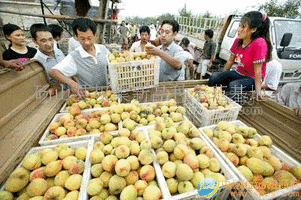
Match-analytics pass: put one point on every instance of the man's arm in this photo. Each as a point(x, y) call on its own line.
point(212, 56)
point(75, 87)
point(171, 61)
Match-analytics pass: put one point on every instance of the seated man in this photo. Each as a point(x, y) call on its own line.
point(290, 96)
point(170, 53)
point(272, 77)
point(139, 46)
point(88, 63)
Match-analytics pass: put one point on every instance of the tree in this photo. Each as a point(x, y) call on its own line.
point(183, 12)
point(207, 14)
point(165, 16)
point(288, 9)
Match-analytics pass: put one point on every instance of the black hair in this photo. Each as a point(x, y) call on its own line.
point(174, 23)
point(56, 30)
point(209, 32)
point(8, 29)
point(83, 24)
point(185, 41)
point(261, 22)
point(144, 29)
point(36, 28)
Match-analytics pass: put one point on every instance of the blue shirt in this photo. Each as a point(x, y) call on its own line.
point(168, 73)
point(47, 61)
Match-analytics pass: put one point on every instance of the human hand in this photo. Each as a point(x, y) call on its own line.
point(77, 90)
point(14, 64)
point(151, 49)
point(298, 112)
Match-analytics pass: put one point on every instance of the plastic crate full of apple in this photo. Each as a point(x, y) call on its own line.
point(208, 105)
point(131, 72)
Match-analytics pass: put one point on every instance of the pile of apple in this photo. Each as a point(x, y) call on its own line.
point(76, 124)
point(126, 56)
point(95, 99)
point(122, 167)
point(210, 97)
point(184, 157)
point(145, 115)
point(50, 173)
point(253, 157)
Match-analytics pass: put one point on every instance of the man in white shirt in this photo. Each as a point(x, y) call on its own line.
point(88, 63)
point(153, 33)
point(187, 59)
point(72, 44)
point(139, 46)
point(57, 34)
point(272, 77)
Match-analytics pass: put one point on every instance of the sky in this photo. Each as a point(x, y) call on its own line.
point(153, 8)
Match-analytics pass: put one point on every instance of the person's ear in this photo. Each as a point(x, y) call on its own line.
point(253, 30)
point(76, 38)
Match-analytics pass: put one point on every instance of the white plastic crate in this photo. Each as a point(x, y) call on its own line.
point(223, 191)
point(135, 75)
point(285, 194)
point(159, 175)
point(43, 141)
point(73, 145)
point(201, 116)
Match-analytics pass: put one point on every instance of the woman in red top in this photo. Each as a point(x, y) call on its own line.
point(251, 51)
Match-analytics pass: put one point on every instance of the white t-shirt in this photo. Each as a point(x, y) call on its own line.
point(68, 67)
point(185, 57)
point(153, 34)
point(272, 77)
point(136, 47)
point(72, 44)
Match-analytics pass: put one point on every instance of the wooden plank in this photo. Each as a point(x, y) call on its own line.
point(280, 123)
point(26, 135)
point(58, 17)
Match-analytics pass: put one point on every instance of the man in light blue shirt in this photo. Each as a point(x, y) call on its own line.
point(47, 55)
point(170, 53)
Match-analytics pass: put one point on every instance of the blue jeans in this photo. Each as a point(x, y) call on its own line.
point(233, 81)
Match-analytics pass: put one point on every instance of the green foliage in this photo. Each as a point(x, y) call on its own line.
point(207, 15)
point(287, 9)
point(183, 12)
point(149, 20)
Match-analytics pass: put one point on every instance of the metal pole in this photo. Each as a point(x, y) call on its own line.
point(43, 13)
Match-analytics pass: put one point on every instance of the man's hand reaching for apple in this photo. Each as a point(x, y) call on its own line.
point(151, 49)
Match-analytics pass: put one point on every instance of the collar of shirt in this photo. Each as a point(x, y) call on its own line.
point(298, 90)
point(45, 57)
point(85, 54)
point(167, 48)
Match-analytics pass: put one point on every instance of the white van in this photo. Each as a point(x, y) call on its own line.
point(285, 38)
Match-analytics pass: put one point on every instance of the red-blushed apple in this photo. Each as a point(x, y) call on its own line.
point(69, 123)
point(71, 132)
point(80, 132)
